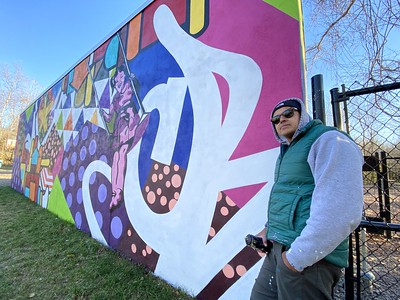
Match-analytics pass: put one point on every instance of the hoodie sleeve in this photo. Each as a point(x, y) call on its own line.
point(337, 202)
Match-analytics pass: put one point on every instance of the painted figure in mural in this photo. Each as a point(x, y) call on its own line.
point(315, 203)
point(126, 127)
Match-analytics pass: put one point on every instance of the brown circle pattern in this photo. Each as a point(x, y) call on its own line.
point(163, 187)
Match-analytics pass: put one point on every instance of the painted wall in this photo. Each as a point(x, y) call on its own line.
point(158, 143)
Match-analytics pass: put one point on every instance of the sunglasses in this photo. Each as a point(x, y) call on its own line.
point(288, 113)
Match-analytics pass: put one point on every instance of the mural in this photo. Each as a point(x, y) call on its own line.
point(158, 143)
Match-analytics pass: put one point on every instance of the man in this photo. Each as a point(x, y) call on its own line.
point(315, 203)
point(127, 129)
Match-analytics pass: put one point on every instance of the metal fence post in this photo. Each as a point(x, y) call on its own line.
point(370, 273)
point(385, 187)
point(349, 272)
point(337, 118)
point(318, 100)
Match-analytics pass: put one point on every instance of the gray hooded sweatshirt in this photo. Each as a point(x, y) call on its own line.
point(337, 201)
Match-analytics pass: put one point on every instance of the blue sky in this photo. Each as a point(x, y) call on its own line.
point(46, 38)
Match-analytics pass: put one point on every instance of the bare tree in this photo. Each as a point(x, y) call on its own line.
point(16, 93)
point(354, 39)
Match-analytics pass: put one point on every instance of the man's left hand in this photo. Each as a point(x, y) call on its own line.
point(286, 262)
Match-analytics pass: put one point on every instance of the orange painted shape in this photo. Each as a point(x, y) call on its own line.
point(80, 73)
point(68, 123)
point(32, 191)
point(94, 118)
point(133, 37)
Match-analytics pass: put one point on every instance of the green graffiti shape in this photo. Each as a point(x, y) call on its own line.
point(290, 7)
point(57, 203)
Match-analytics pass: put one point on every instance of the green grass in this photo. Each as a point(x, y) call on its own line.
point(44, 257)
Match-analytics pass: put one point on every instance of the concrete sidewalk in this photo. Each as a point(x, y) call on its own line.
point(5, 177)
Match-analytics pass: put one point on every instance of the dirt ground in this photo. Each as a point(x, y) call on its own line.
point(379, 251)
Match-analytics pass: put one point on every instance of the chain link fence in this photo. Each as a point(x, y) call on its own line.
point(370, 113)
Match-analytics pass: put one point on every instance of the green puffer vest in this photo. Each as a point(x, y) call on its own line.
point(290, 200)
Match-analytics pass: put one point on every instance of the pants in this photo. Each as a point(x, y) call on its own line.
point(276, 281)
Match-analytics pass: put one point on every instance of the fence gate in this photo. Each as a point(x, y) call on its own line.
point(371, 115)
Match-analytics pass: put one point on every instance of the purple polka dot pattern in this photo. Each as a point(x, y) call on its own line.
point(73, 158)
point(83, 153)
point(85, 132)
point(78, 220)
point(71, 180)
point(65, 163)
point(102, 193)
point(99, 218)
point(69, 199)
point(79, 196)
point(92, 147)
point(114, 224)
point(89, 145)
point(116, 227)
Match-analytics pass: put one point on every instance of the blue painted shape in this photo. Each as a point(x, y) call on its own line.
point(56, 89)
point(111, 55)
point(79, 122)
point(27, 191)
point(146, 147)
point(154, 66)
point(184, 138)
point(67, 103)
point(70, 79)
point(35, 157)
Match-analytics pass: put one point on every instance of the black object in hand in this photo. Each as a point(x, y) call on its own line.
point(256, 242)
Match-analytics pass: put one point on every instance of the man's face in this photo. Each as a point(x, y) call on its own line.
point(119, 81)
point(287, 126)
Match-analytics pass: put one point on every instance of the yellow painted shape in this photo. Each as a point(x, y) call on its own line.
point(112, 72)
point(289, 7)
point(80, 95)
point(197, 15)
point(45, 162)
point(89, 88)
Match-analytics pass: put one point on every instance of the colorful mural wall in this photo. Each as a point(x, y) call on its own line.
point(158, 143)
